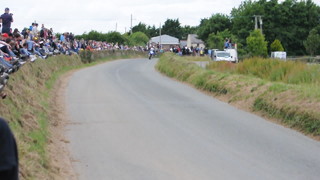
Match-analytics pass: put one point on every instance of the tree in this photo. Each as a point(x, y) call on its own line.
point(289, 21)
point(215, 41)
point(256, 44)
point(115, 37)
point(138, 39)
point(172, 27)
point(141, 27)
point(186, 30)
point(312, 44)
point(94, 35)
point(276, 46)
point(152, 31)
point(216, 23)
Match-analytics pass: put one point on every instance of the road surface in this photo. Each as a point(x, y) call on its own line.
point(132, 123)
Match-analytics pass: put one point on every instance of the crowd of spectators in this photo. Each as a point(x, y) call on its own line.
point(28, 45)
point(187, 51)
point(34, 42)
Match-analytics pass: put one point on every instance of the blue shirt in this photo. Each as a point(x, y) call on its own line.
point(62, 39)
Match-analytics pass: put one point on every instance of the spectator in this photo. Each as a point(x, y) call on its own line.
point(6, 20)
point(9, 163)
point(35, 30)
point(50, 34)
point(62, 37)
point(226, 43)
point(5, 46)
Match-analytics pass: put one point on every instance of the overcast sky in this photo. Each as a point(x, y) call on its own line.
point(79, 16)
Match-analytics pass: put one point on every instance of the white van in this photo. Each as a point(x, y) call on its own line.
point(230, 55)
point(234, 55)
point(222, 56)
point(279, 55)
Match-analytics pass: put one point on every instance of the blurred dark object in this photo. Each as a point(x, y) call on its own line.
point(9, 164)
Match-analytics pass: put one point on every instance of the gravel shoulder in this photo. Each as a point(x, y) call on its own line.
point(59, 152)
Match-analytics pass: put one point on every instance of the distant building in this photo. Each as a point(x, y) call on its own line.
point(165, 40)
point(194, 41)
point(183, 43)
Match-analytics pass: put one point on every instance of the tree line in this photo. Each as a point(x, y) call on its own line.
point(290, 25)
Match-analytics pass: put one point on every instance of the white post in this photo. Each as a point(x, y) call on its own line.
point(160, 37)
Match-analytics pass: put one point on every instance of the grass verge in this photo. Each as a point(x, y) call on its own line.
point(28, 105)
point(292, 104)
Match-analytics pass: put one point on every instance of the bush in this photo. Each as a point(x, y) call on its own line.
point(276, 46)
point(256, 44)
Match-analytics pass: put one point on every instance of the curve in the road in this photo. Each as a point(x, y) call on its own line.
point(130, 122)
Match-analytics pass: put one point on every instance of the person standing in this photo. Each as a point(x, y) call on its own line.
point(6, 20)
point(9, 164)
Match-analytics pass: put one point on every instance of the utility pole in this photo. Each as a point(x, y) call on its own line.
point(261, 24)
point(255, 22)
point(160, 36)
point(256, 19)
point(116, 27)
point(131, 25)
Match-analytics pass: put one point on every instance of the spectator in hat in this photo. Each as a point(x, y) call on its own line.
point(6, 20)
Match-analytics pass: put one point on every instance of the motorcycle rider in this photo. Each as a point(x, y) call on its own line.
point(151, 52)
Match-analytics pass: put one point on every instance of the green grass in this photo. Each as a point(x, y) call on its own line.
point(290, 72)
point(27, 106)
point(308, 122)
point(288, 91)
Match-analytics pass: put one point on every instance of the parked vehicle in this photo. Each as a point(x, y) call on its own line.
point(233, 54)
point(279, 55)
point(221, 56)
point(229, 55)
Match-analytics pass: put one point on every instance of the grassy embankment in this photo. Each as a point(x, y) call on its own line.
point(28, 106)
point(286, 91)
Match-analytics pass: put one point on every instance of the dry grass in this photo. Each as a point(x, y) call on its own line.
point(294, 105)
point(28, 109)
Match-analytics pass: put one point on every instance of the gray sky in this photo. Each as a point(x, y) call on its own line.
point(80, 16)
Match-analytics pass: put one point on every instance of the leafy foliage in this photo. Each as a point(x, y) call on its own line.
point(150, 31)
point(173, 28)
point(115, 37)
point(186, 30)
point(215, 41)
point(138, 39)
point(216, 23)
point(312, 44)
point(289, 21)
point(256, 44)
point(112, 37)
point(141, 27)
point(276, 46)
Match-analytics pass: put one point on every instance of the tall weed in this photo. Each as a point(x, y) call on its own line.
point(273, 70)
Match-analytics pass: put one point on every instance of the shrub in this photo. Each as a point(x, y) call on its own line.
point(256, 44)
point(276, 46)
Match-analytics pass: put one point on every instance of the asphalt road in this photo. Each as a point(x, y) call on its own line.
point(132, 123)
